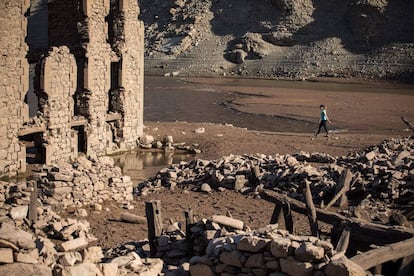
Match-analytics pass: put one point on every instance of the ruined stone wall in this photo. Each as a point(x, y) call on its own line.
point(97, 81)
point(76, 80)
point(128, 44)
point(14, 82)
point(58, 87)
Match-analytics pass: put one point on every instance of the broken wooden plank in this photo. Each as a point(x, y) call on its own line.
point(154, 220)
point(344, 185)
point(132, 218)
point(343, 241)
point(311, 211)
point(375, 257)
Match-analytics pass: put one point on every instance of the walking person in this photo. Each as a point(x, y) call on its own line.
point(323, 120)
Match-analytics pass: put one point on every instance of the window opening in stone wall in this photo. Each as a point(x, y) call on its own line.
point(31, 98)
point(115, 84)
point(110, 20)
point(81, 138)
point(35, 151)
point(80, 64)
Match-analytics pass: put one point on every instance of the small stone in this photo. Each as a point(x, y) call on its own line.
point(21, 238)
point(227, 221)
point(82, 213)
point(74, 245)
point(292, 267)
point(70, 258)
point(370, 155)
point(19, 212)
point(108, 269)
point(307, 252)
point(344, 266)
point(231, 258)
point(200, 130)
point(6, 256)
point(81, 269)
point(201, 269)
point(279, 247)
point(30, 257)
point(252, 244)
point(93, 254)
point(205, 188)
point(256, 260)
point(398, 219)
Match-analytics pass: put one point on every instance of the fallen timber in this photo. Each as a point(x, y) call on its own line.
point(361, 231)
point(384, 254)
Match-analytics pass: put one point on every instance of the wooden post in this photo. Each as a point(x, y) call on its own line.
point(282, 215)
point(345, 184)
point(189, 221)
point(33, 203)
point(287, 214)
point(407, 266)
point(277, 214)
point(154, 220)
point(311, 211)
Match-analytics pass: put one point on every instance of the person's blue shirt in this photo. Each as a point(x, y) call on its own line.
point(323, 115)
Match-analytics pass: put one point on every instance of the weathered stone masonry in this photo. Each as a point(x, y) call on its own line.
point(89, 86)
point(14, 83)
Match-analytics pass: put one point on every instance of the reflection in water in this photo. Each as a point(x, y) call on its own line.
point(142, 165)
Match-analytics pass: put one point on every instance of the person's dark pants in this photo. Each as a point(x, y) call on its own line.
point(322, 124)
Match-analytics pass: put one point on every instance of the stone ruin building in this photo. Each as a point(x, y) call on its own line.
point(71, 79)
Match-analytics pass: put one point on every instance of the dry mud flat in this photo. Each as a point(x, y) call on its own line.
point(96, 222)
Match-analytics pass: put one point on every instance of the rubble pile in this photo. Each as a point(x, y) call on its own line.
point(83, 183)
point(383, 172)
point(70, 252)
point(166, 144)
point(36, 240)
point(221, 245)
point(245, 174)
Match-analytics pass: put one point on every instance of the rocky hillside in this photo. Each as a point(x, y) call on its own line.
point(280, 38)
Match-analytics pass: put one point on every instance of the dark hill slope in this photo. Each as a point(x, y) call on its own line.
point(280, 38)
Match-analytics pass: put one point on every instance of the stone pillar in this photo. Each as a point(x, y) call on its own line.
point(128, 44)
point(58, 86)
point(97, 79)
point(14, 83)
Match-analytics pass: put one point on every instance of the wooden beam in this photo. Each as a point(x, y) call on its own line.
point(344, 185)
point(31, 130)
point(311, 210)
point(375, 257)
point(343, 241)
point(154, 220)
point(408, 123)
